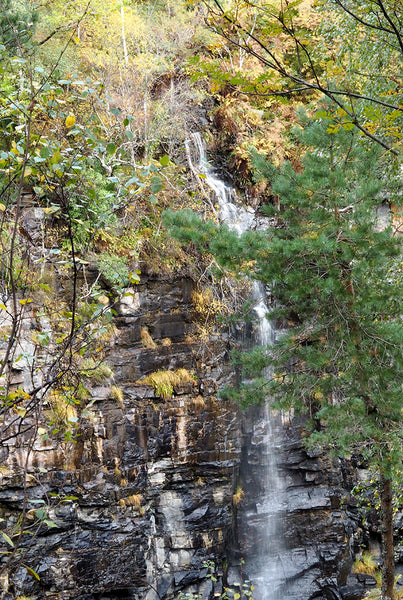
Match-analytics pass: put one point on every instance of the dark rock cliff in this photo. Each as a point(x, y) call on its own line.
point(150, 481)
point(312, 519)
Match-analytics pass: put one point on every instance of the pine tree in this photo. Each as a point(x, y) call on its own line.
point(334, 271)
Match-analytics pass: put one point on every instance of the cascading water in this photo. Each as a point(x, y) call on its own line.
point(235, 216)
point(264, 566)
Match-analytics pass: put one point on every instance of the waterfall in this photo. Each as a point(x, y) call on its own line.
point(234, 215)
point(264, 567)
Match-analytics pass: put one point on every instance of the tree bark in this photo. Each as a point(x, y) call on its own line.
point(388, 564)
point(122, 18)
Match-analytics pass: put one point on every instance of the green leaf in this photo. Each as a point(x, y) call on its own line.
point(41, 514)
point(164, 160)
point(134, 278)
point(31, 572)
point(156, 185)
point(45, 152)
point(111, 149)
point(50, 523)
point(7, 539)
point(132, 180)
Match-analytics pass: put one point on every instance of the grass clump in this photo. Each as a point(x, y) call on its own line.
point(146, 338)
point(376, 594)
point(134, 500)
point(164, 382)
point(198, 401)
point(63, 409)
point(117, 395)
point(366, 564)
point(99, 371)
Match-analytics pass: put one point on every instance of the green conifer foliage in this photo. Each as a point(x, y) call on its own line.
point(334, 270)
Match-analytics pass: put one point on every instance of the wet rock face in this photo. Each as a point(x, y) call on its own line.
point(148, 481)
point(310, 556)
point(144, 496)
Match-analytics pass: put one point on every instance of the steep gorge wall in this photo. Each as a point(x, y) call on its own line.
point(152, 480)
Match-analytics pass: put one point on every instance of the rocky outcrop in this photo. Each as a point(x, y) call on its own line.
point(144, 496)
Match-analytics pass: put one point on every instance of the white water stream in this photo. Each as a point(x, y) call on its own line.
point(265, 569)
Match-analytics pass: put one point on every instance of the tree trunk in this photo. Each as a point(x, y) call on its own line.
point(388, 558)
point(122, 18)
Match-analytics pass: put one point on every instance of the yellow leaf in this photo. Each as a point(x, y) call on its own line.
point(70, 121)
point(2, 207)
point(3, 306)
point(25, 301)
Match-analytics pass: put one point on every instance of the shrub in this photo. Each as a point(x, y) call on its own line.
point(114, 269)
point(92, 369)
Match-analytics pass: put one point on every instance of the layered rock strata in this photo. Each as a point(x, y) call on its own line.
point(144, 496)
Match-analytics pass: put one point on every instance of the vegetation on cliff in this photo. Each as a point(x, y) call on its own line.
point(334, 268)
point(96, 102)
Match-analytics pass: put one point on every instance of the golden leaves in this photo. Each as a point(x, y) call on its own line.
point(70, 121)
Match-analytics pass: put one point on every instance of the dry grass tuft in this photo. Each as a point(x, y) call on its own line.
point(117, 395)
point(366, 563)
point(164, 382)
point(146, 338)
point(198, 401)
point(238, 496)
point(133, 500)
